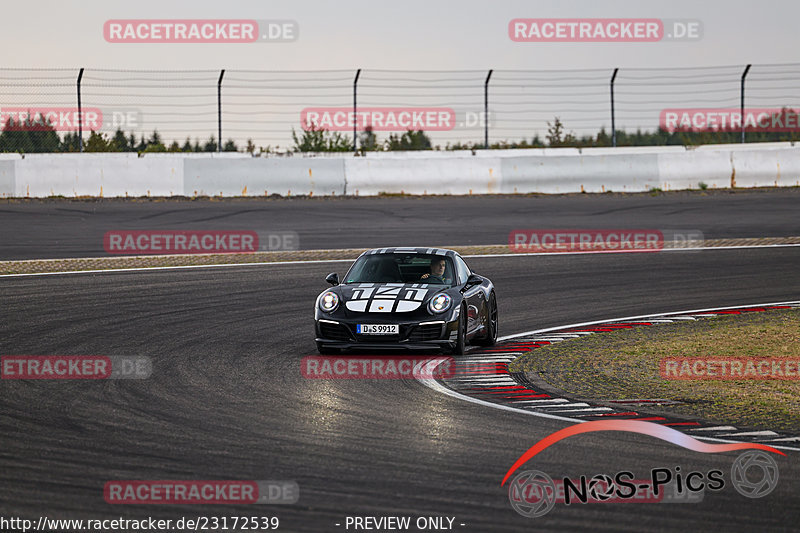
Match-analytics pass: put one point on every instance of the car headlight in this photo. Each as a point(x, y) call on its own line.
point(329, 301)
point(440, 303)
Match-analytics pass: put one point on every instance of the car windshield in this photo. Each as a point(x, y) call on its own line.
point(403, 268)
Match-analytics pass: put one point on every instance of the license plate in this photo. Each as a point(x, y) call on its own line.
point(378, 329)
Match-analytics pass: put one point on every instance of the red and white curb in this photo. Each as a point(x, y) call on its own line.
point(482, 377)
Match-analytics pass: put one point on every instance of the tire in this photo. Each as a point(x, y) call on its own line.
point(326, 351)
point(461, 343)
point(491, 329)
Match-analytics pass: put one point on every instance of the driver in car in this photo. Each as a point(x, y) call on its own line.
point(436, 275)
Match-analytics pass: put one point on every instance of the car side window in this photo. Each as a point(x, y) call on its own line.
point(463, 269)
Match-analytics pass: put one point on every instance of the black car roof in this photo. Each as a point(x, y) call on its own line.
point(435, 251)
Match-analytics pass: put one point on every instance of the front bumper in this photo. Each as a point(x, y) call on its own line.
point(413, 335)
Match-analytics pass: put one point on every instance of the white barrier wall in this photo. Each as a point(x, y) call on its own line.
point(768, 168)
point(97, 174)
point(689, 169)
point(545, 170)
point(7, 178)
point(578, 173)
point(437, 175)
point(256, 176)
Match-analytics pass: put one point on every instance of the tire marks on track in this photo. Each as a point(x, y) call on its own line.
point(483, 375)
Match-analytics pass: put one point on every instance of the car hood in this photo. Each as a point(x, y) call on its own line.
point(387, 297)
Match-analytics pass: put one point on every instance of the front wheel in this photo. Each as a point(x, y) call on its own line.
point(461, 342)
point(491, 327)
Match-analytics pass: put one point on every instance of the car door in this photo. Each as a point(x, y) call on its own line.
point(473, 297)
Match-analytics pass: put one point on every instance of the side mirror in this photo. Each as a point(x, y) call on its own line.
point(332, 278)
point(473, 280)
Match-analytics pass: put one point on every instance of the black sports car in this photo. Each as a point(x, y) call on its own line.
point(406, 298)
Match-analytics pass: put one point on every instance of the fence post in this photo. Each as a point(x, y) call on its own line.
point(219, 110)
point(613, 116)
point(741, 108)
point(355, 109)
point(486, 110)
point(80, 112)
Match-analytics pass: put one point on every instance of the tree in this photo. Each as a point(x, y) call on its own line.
point(119, 143)
point(152, 145)
point(368, 141)
point(320, 140)
point(97, 143)
point(536, 142)
point(555, 132)
point(70, 143)
point(155, 138)
point(211, 145)
point(29, 135)
point(155, 148)
point(142, 144)
point(410, 140)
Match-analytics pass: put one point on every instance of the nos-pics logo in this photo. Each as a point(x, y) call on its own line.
point(533, 493)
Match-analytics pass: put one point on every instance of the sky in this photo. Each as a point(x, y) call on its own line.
point(430, 35)
point(408, 34)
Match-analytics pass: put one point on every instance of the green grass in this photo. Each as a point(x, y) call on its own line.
point(625, 364)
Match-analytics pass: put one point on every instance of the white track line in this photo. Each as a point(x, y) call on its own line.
point(544, 402)
point(638, 317)
point(751, 434)
point(699, 248)
point(313, 261)
point(145, 269)
point(432, 383)
point(438, 387)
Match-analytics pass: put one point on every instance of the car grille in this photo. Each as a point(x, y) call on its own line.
point(378, 338)
point(334, 332)
point(426, 332)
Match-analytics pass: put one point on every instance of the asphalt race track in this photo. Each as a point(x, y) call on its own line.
point(41, 229)
point(226, 399)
